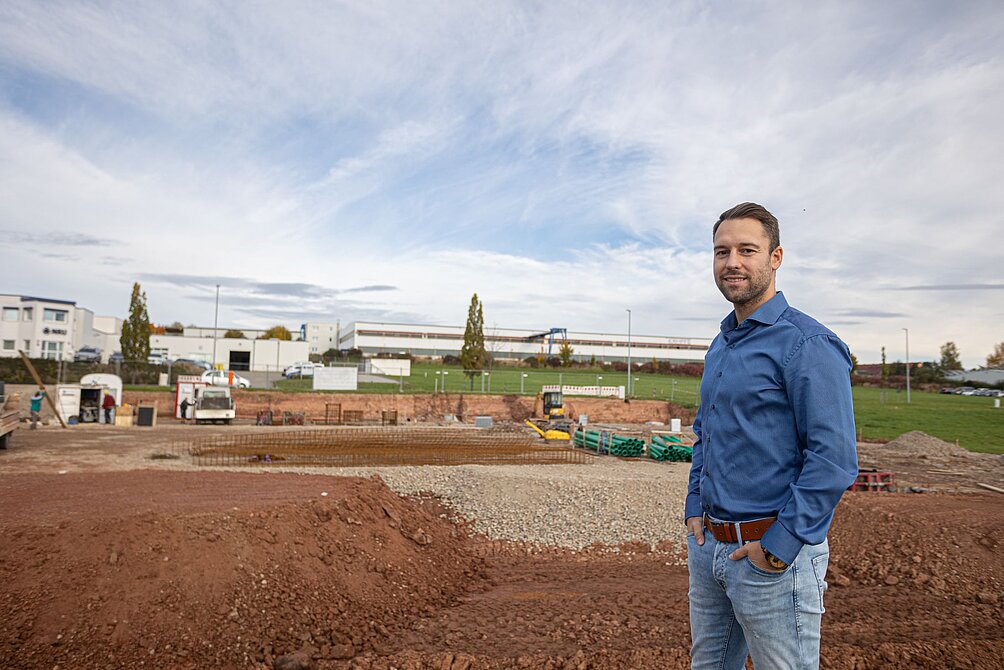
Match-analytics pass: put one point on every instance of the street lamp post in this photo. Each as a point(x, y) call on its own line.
point(522, 376)
point(629, 354)
point(216, 323)
point(907, 331)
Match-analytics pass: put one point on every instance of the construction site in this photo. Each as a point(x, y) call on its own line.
point(440, 531)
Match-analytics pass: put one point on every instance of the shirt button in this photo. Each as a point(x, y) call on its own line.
point(719, 374)
point(712, 407)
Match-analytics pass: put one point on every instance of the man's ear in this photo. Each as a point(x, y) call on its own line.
point(775, 258)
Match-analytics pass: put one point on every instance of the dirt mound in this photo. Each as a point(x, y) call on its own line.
point(918, 444)
point(234, 570)
point(326, 577)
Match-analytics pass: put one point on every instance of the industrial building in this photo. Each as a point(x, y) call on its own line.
point(56, 329)
point(232, 353)
point(373, 338)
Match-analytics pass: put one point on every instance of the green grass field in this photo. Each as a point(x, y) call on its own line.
point(974, 422)
point(880, 415)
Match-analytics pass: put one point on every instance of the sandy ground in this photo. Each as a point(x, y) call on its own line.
point(114, 559)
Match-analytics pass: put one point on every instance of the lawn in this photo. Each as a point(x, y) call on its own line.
point(427, 378)
point(974, 422)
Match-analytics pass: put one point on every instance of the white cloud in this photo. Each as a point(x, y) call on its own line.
point(563, 153)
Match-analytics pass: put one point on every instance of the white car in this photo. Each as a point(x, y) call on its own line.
point(301, 370)
point(223, 377)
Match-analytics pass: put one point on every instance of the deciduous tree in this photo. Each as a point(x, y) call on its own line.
point(950, 357)
point(996, 359)
point(277, 333)
point(565, 354)
point(234, 334)
point(135, 338)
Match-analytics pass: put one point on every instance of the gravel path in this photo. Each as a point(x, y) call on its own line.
point(611, 502)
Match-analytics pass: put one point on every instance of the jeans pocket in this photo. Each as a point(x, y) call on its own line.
point(770, 574)
point(819, 565)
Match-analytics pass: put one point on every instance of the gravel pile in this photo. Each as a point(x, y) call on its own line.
point(574, 506)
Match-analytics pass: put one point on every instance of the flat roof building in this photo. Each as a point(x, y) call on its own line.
point(373, 338)
point(51, 328)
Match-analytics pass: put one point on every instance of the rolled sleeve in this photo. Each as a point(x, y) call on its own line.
point(817, 380)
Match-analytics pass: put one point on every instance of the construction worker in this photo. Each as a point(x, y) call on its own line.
point(36, 406)
point(775, 451)
point(108, 405)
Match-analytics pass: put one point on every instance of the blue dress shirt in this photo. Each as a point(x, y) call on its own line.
point(775, 429)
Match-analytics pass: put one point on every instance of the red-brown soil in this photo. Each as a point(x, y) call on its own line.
point(174, 569)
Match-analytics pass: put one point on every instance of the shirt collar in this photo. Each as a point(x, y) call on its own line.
point(767, 313)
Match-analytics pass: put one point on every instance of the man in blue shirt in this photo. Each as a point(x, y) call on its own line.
point(775, 451)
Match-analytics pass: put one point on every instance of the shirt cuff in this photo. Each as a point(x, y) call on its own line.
point(778, 541)
point(692, 507)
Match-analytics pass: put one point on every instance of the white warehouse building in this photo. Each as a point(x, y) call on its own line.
point(514, 343)
point(240, 354)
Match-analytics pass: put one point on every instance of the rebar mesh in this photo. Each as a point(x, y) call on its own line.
point(372, 446)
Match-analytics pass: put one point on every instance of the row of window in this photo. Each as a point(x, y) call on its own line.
point(49, 349)
point(508, 338)
point(28, 313)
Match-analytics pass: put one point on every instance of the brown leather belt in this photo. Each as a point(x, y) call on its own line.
point(746, 531)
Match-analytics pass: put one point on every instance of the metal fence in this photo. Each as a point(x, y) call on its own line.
point(373, 446)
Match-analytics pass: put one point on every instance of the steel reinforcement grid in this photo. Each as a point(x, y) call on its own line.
point(371, 446)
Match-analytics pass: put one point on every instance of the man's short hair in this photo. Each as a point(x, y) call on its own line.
point(751, 210)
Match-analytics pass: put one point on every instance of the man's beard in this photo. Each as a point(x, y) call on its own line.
point(755, 286)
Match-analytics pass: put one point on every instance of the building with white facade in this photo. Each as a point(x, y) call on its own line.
point(320, 336)
point(57, 329)
point(230, 353)
point(422, 340)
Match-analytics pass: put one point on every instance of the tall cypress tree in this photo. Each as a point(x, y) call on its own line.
point(473, 355)
point(135, 339)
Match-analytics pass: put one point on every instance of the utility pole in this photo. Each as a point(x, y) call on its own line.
point(907, 331)
point(629, 354)
point(216, 324)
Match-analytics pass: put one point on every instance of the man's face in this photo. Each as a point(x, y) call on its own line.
point(744, 266)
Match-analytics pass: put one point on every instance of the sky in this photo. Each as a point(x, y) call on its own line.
point(341, 161)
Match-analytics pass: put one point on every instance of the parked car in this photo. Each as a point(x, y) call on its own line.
point(301, 370)
point(116, 357)
point(157, 359)
point(223, 377)
point(87, 354)
point(202, 365)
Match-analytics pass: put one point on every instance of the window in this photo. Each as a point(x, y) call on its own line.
point(8, 345)
point(57, 315)
point(28, 313)
point(27, 346)
point(53, 350)
point(10, 313)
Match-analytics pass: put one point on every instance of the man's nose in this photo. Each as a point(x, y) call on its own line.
point(733, 260)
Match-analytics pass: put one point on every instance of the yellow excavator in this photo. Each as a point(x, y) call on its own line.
point(554, 425)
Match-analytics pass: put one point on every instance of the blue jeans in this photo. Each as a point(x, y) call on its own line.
point(737, 608)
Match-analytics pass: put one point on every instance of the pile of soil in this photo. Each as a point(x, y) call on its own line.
point(89, 582)
point(922, 462)
point(918, 444)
